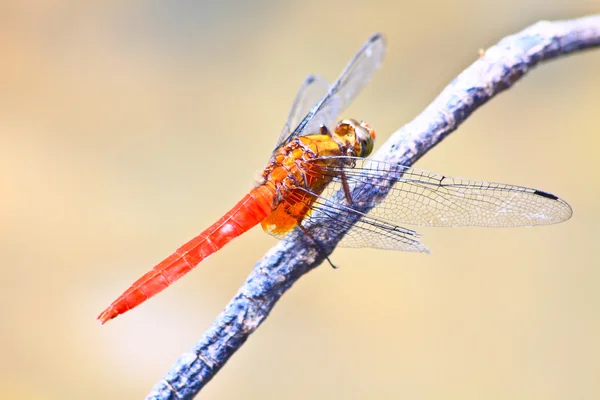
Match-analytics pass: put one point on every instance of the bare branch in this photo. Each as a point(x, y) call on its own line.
point(496, 70)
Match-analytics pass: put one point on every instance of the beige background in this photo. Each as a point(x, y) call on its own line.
point(128, 127)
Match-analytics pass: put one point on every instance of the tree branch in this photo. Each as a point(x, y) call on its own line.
point(496, 70)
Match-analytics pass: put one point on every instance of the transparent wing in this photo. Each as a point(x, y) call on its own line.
point(424, 198)
point(416, 197)
point(355, 76)
point(366, 230)
point(312, 90)
point(328, 215)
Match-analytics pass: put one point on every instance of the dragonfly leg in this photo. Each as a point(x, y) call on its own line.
point(346, 187)
point(324, 130)
point(307, 233)
point(304, 178)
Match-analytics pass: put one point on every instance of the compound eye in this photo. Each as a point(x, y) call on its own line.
point(365, 138)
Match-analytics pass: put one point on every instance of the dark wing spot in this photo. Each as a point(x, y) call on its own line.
point(546, 195)
point(375, 37)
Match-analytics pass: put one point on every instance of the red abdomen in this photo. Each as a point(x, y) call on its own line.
point(251, 210)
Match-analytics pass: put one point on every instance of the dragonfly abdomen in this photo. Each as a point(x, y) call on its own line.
point(251, 210)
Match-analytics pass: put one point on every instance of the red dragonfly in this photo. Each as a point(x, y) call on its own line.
point(313, 172)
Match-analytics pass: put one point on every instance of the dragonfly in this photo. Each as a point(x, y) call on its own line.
point(315, 172)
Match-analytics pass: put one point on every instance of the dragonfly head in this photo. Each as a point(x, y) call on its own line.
point(356, 134)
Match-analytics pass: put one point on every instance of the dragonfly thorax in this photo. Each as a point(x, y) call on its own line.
point(293, 164)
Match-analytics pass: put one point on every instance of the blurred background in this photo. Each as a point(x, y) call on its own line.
point(127, 127)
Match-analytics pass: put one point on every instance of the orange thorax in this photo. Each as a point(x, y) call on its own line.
point(297, 181)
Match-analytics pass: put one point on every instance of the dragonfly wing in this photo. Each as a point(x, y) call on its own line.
point(328, 217)
point(355, 76)
point(312, 90)
point(363, 230)
point(418, 197)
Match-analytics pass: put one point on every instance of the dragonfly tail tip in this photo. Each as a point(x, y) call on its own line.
point(106, 316)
